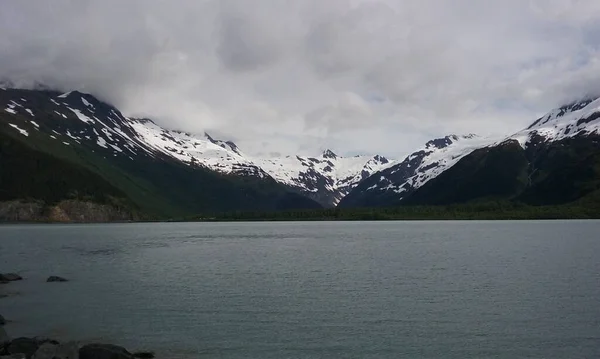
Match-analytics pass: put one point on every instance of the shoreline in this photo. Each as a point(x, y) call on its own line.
point(41, 347)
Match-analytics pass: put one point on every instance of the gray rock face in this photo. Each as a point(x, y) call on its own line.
point(104, 351)
point(55, 278)
point(27, 346)
point(9, 277)
point(48, 350)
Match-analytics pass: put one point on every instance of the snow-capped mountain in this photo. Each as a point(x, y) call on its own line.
point(326, 178)
point(400, 179)
point(199, 150)
point(50, 121)
point(579, 121)
point(60, 147)
point(80, 118)
point(576, 119)
point(104, 127)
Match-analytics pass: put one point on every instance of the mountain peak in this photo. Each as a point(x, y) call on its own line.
point(442, 142)
point(329, 154)
point(446, 141)
point(209, 137)
point(563, 111)
point(576, 105)
point(228, 145)
point(142, 120)
point(381, 159)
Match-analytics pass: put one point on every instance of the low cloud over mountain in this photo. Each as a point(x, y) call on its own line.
point(357, 76)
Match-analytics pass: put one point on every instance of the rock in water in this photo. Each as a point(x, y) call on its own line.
point(56, 279)
point(104, 351)
point(48, 350)
point(27, 346)
point(9, 277)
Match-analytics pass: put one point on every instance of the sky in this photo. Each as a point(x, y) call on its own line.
point(300, 76)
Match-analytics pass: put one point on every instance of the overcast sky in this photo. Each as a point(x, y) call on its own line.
point(358, 76)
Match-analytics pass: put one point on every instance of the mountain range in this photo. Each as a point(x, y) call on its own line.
point(556, 160)
point(149, 168)
point(62, 152)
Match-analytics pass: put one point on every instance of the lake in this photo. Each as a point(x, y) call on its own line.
point(312, 290)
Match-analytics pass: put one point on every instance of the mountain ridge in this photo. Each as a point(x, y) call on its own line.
point(139, 155)
point(88, 133)
point(513, 167)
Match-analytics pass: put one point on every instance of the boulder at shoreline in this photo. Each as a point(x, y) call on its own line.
point(50, 350)
point(27, 346)
point(43, 348)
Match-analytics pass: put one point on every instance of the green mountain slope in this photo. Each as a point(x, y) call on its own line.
point(36, 163)
point(545, 174)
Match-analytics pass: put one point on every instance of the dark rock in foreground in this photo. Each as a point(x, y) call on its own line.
point(45, 351)
point(9, 277)
point(50, 350)
point(4, 338)
point(14, 356)
point(55, 278)
point(104, 351)
point(43, 348)
point(43, 340)
point(143, 355)
point(27, 346)
point(2, 320)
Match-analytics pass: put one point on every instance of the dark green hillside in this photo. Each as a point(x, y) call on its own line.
point(486, 174)
point(41, 166)
point(160, 189)
point(586, 208)
point(564, 171)
point(26, 173)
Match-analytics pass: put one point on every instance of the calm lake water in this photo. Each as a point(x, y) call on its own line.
point(312, 290)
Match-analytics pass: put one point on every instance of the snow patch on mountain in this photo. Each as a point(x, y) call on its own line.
point(575, 119)
point(81, 116)
point(21, 131)
point(430, 161)
point(392, 184)
point(86, 102)
point(326, 174)
point(440, 159)
point(192, 149)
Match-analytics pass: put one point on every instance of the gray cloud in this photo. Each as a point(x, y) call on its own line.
point(359, 76)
